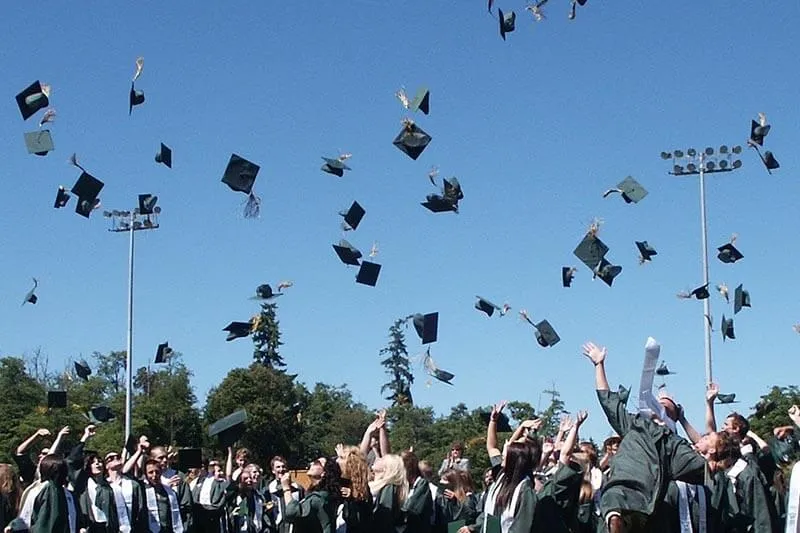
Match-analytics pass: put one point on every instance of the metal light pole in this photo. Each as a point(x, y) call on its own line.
point(702, 163)
point(131, 222)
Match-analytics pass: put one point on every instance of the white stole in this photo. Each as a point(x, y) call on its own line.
point(687, 492)
point(99, 516)
point(258, 512)
point(734, 472)
point(647, 400)
point(274, 489)
point(793, 503)
point(341, 525)
point(26, 512)
point(123, 499)
point(152, 510)
point(509, 513)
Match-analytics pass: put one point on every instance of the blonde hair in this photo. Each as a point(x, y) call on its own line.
point(356, 469)
point(9, 485)
point(394, 473)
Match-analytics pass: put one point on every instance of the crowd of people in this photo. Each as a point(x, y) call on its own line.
point(647, 478)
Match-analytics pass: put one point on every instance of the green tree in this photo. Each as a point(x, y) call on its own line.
point(267, 337)
point(270, 398)
point(551, 416)
point(772, 410)
point(413, 426)
point(397, 366)
point(28, 395)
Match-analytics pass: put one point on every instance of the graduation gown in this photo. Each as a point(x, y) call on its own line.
point(387, 514)
point(649, 457)
point(312, 514)
point(357, 514)
point(744, 498)
point(208, 496)
point(418, 508)
point(666, 518)
point(133, 493)
point(246, 512)
point(163, 509)
point(7, 512)
point(104, 521)
point(557, 502)
point(451, 510)
point(54, 511)
point(277, 511)
point(184, 494)
point(518, 519)
point(27, 470)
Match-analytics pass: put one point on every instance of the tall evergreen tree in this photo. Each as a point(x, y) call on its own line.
point(551, 417)
point(267, 337)
point(397, 366)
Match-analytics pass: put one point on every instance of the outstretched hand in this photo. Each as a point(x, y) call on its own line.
point(581, 417)
point(596, 354)
point(712, 391)
point(497, 409)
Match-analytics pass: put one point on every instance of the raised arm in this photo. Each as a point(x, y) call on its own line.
point(794, 414)
point(136, 460)
point(491, 430)
point(711, 395)
point(59, 439)
point(597, 356)
point(572, 438)
point(383, 434)
point(691, 432)
point(365, 440)
point(22, 448)
point(229, 464)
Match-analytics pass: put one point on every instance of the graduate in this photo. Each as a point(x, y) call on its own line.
point(389, 492)
point(455, 459)
point(52, 509)
point(10, 495)
point(454, 501)
point(316, 512)
point(246, 507)
point(129, 494)
point(275, 494)
point(176, 480)
point(208, 495)
point(355, 511)
point(418, 507)
point(163, 508)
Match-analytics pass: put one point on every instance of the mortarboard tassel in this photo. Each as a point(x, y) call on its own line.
point(49, 116)
point(723, 290)
point(374, 250)
point(572, 9)
point(139, 67)
point(73, 159)
point(434, 172)
point(252, 209)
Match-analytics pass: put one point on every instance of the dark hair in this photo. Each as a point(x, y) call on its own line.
point(521, 459)
point(740, 424)
point(53, 468)
point(87, 464)
point(331, 483)
point(151, 462)
point(457, 446)
point(411, 462)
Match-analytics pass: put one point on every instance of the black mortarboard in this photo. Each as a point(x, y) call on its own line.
point(189, 458)
point(567, 273)
point(131, 444)
point(758, 132)
point(229, 429)
point(546, 335)
point(33, 99)
point(741, 299)
point(421, 101)
point(31, 297)
point(162, 353)
point(238, 330)
point(701, 293)
point(770, 162)
point(61, 197)
point(662, 370)
point(147, 202)
point(164, 155)
point(507, 22)
point(412, 140)
point(353, 216)
point(348, 254)
point(39, 142)
point(623, 394)
point(240, 174)
point(726, 398)
point(82, 370)
point(135, 98)
point(368, 273)
point(439, 204)
point(85, 207)
point(646, 252)
point(503, 425)
point(452, 190)
point(265, 292)
point(100, 414)
point(607, 272)
point(334, 166)
point(486, 306)
point(87, 188)
point(427, 327)
point(729, 254)
point(591, 251)
point(57, 399)
point(727, 328)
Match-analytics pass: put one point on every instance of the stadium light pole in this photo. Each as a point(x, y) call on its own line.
point(694, 163)
point(131, 222)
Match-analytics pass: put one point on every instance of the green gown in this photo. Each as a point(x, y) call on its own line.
point(746, 502)
point(418, 508)
point(51, 511)
point(312, 514)
point(208, 518)
point(387, 514)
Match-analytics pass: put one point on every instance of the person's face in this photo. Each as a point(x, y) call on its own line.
point(113, 461)
point(378, 468)
point(245, 480)
point(373, 441)
point(255, 475)
point(586, 448)
point(160, 455)
point(488, 478)
point(455, 452)
point(241, 460)
point(315, 471)
point(153, 474)
point(216, 470)
point(707, 445)
point(96, 467)
point(278, 469)
point(730, 426)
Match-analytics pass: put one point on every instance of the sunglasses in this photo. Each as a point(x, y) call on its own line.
point(113, 457)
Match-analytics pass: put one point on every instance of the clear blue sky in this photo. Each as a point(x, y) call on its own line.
point(535, 128)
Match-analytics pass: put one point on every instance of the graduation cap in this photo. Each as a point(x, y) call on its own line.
point(39, 142)
point(334, 166)
point(353, 216)
point(189, 458)
point(31, 296)
point(591, 251)
point(701, 293)
point(630, 190)
point(162, 352)
point(412, 140)
point(726, 398)
point(439, 204)
point(607, 272)
point(768, 159)
point(507, 22)
point(368, 273)
point(646, 252)
point(135, 98)
point(164, 156)
point(741, 298)
point(421, 101)
point(427, 326)
point(489, 308)
point(348, 254)
point(238, 330)
point(503, 423)
point(436, 372)
point(727, 328)
point(100, 414)
point(662, 370)
point(265, 292)
point(87, 189)
point(240, 176)
point(147, 203)
point(567, 274)
point(82, 370)
point(728, 253)
point(758, 130)
point(131, 444)
point(546, 336)
point(57, 399)
point(61, 197)
point(85, 207)
point(452, 190)
point(230, 429)
point(32, 99)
